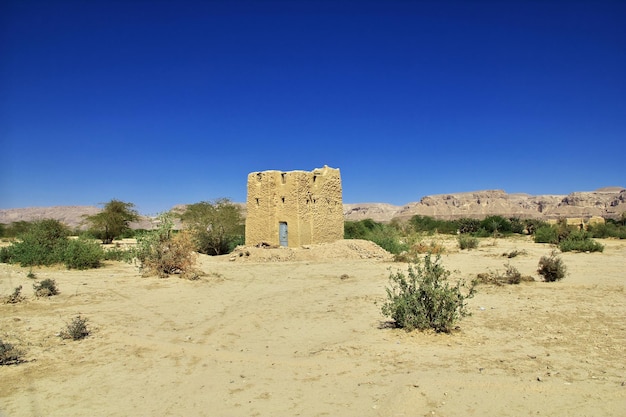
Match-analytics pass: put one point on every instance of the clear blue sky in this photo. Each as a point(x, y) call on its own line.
point(166, 102)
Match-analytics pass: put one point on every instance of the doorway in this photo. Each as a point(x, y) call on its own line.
point(283, 234)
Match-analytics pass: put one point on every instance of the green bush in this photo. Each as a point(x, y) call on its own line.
point(16, 229)
point(431, 225)
point(42, 244)
point(517, 225)
point(424, 299)
point(467, 242)
point(546, 234)
point(82, 254)
point(46, 243)
point(531, 225)
point(217, 227)
point(45, 288)
point(611, 228)
point(6, 254)
point(76, 329)
point(386, 236)
point(496, 225)
point(117, 254)
point(552, 268)
point(9, 355)
point(467, 225)
point(580, 241)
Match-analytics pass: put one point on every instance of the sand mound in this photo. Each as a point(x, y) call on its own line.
point(341, 249)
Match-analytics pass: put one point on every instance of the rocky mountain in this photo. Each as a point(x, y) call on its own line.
point(609, 202)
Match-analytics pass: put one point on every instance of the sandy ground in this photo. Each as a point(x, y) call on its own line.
point(277, 332)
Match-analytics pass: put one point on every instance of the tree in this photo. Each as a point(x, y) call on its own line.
point(216, 226)
point(113, 220)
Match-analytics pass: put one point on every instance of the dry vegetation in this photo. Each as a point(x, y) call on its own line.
point(276, 331)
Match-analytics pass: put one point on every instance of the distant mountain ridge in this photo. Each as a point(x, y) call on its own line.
point(608, 202)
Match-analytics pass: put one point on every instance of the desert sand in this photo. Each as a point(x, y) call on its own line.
point(299, 332)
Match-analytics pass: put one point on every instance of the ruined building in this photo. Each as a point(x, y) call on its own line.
point(294, 208)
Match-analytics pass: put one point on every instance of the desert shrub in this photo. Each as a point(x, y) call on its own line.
point(389, 239)
point(546, 234)
point(46, 243)
point(15, 297)
point(531, 225)
point(551, 268)
point(467, 225)
point(467, 242)
point(42, 244)
point(361, 229)
point(9, 354)
point(517, 225)
point(6, 255)
point(612, 228)
point(431, 225)
point(76, 329)
point(217, 227)
point(45, 288)
point(514, 253)
point(386, 236)
point(510, 276)
point(163, 253)
point(580, 241)
point(496, 225)
point(16, 229)
point(82, 254)
point(432, 247)
point(424, 299)
point(117, 254)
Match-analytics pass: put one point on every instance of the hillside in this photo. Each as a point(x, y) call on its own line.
point(608, 202)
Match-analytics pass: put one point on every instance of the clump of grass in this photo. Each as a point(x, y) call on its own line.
point(16, 297)
point(76, 329)
point(9, 354)
point(31, 274)
point(45, 288)
point(551, 268)
point(467, 242)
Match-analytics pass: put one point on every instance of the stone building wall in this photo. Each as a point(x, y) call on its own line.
point(309, 204)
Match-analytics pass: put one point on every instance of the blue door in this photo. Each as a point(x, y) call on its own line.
point(282, 233)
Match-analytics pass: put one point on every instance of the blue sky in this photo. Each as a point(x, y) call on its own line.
point(167, 102)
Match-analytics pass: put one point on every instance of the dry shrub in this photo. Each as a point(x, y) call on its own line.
point(510, 276)
point(16, 297)
point(433, 247)
point(76, 329)
point(164, 253)
point(552, 268)
point(46, 288)
point(9, 354)
point(420, 248)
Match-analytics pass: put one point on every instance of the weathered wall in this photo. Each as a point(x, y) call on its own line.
point(309, 202)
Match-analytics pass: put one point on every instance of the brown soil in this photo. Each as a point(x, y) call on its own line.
point(285, 332)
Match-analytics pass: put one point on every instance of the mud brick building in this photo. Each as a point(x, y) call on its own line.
point(294, 208)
